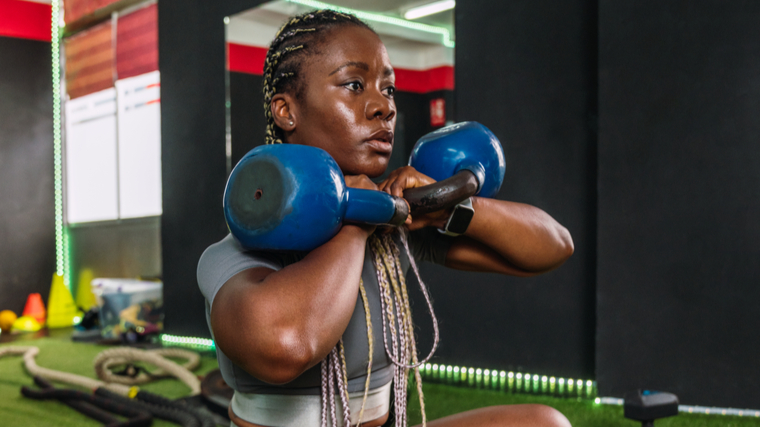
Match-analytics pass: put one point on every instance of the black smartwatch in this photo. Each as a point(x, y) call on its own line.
point(459, 219)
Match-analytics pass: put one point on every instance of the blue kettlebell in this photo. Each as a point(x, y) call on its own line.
point(466, 159)
point(293, 197)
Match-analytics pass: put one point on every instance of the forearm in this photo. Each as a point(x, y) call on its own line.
point(278, 326)
point(523, 235)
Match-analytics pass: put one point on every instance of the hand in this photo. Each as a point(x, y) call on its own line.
point(408, 177)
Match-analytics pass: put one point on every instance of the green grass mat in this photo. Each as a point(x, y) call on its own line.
point(440, 400)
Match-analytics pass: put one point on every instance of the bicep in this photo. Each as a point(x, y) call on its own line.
point(233, 296)
point(234, 315)
point(467, 254)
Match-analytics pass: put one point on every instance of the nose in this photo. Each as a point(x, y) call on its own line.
point(380, 106)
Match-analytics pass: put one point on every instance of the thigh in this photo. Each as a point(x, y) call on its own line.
point(505, 416)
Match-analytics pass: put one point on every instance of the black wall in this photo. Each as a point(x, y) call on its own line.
point(27, 223)
point(194, 165)
point(679, 199)
point(527, 70)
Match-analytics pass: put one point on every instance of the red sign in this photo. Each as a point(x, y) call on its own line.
point(437, 112)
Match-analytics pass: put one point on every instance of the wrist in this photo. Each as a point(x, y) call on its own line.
point(441, 218)
point(459, 220)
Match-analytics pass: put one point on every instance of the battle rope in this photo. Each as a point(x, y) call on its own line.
point(115, 388)
point(117, 356)
point(123, 355)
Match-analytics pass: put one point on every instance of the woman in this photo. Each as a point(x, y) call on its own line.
point(320, 338)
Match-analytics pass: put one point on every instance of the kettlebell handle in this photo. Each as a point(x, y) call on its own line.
point(442, 194)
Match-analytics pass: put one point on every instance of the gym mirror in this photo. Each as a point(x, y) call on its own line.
point(421, 50)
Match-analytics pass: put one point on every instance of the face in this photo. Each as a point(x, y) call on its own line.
point(348, 108)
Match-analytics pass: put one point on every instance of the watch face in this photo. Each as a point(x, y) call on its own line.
point(460, 220)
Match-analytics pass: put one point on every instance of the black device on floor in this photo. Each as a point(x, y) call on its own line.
point(647, 406)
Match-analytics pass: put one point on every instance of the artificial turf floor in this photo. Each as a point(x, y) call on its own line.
point(440, 400)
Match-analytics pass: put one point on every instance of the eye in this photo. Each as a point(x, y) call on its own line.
point(354, 86)
point(390, 91)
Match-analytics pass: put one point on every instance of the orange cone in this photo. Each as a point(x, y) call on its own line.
point(35, 308)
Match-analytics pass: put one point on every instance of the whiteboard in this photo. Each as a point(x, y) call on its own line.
point(90, 153)
point(139, 119)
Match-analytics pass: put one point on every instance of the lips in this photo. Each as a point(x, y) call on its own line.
point(381, 141)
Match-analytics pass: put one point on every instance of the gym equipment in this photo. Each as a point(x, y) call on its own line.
point(35, 308)
point(26, 324)
point(7, 318)
point(61, 311)
point(96, 407)
point(216, 393)
point(117, 389)
point(85, 299)
point(294, 197)
point(466, 159)
point(647, 406)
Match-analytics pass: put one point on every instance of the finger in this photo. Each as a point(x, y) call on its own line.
point(398, 186)
point(387, 184)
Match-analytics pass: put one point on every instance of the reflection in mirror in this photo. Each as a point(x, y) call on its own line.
point(421, 52)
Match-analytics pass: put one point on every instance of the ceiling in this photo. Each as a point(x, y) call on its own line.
point(397, 8)
point(394, 8)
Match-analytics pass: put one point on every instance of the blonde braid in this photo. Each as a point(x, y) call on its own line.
point(370, 344)
point(407, 305)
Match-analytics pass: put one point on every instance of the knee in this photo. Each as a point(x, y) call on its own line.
point(545, 416)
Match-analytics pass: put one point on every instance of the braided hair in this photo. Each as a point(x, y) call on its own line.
point(292, 45)
point(295, 41)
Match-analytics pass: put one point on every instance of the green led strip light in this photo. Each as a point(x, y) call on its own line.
point(707, 410)
point(189, 342)
point(505, 381)
point(508, 381)
point(61, 235)
point(367, 16)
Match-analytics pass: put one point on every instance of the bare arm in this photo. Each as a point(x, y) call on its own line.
point(277, 324)
point(503, 237)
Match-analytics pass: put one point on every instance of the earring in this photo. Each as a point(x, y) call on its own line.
point(290, 123)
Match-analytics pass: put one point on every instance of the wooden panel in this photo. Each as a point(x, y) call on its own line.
point(89, 61)
point(75, 9)
point(137, 43)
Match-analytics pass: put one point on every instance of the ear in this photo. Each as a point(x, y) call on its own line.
point(284, 111)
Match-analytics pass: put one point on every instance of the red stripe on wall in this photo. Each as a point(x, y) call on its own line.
point(246, 59)
point(25, 19)
point(250, 59)
point(423, 81)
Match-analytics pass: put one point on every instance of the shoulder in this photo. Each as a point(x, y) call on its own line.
point(226, 258)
